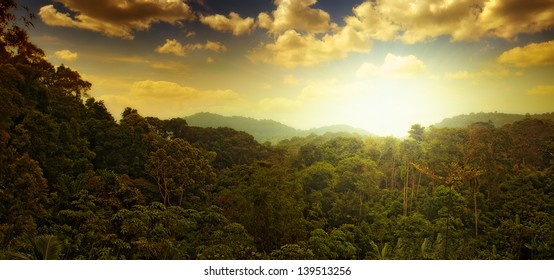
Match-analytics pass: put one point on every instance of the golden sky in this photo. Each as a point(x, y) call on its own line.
point(377, 65)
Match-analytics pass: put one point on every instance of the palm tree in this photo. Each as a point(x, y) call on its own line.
point(44, 247)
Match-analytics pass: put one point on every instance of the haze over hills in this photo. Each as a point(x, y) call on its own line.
point(265, 130)
point(497, 119)
point(273, 131)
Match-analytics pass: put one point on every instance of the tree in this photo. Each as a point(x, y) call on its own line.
point(456, 177)
point(416, 132)
point(268, 202)
point(529, 139)
point(318, 181)
point(131, 145)
point(389, 160)
point(23, 198)
point(43, 247)
point(69, 82)
point(331, 246)
point(181, 172)
point(292, 252)
point(411, 151)
point(357, 186)
point(13, 37)
point(410, 232)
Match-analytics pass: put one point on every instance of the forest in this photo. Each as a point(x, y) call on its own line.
point(75, 183)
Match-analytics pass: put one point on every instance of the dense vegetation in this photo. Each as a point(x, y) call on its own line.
point(77, 184)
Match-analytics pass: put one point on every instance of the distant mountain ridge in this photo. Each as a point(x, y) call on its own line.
point(265, 130)
point(497, 119)
point(273, 131)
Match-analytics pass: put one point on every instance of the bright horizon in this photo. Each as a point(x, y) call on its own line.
point(377, 65)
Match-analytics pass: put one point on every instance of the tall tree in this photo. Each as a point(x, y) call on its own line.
point(181, 172)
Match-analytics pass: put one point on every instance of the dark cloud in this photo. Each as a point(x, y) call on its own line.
point(116, 18)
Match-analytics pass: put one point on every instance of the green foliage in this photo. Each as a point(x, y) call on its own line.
point(292, 252)
point(330, 246)
point(43, 247)
point(181, 172)
point(268, 202)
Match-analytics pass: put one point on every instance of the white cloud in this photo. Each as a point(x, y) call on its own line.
point(66, 55)
point(394, 67)
point(233, 23)
point(116, 18)
point(535, 54)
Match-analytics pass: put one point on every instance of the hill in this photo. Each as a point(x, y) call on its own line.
point(497, 119)
point(264, 130)
point(336, 128)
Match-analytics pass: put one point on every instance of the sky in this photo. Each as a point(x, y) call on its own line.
point(378, 65)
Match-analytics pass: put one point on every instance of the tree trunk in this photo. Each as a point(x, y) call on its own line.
point(406, 183)
point(447, 223)
point(475, 210)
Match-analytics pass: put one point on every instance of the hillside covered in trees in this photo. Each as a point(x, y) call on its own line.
point(266, 130)
point(77, 184)
point(496, 119)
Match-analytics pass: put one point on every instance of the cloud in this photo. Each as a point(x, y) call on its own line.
point(168, 99)
point(369, 20)
point(290, 80)
point(541, 90)
point(297, 15)
point(508, 18)
point(304, 36)
point(486, 74)
point(394, 67)
point(292, 49)
point(464, 20)
point(414, 21)
point(233, 23)
point(126, 59)
point(66, 55)
point(172, 46)
point(214, 47)
point(116, 18)
point(535, 54)
point(167, 90)
point(171, 66)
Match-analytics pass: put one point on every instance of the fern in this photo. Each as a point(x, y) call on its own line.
point(47, 247)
